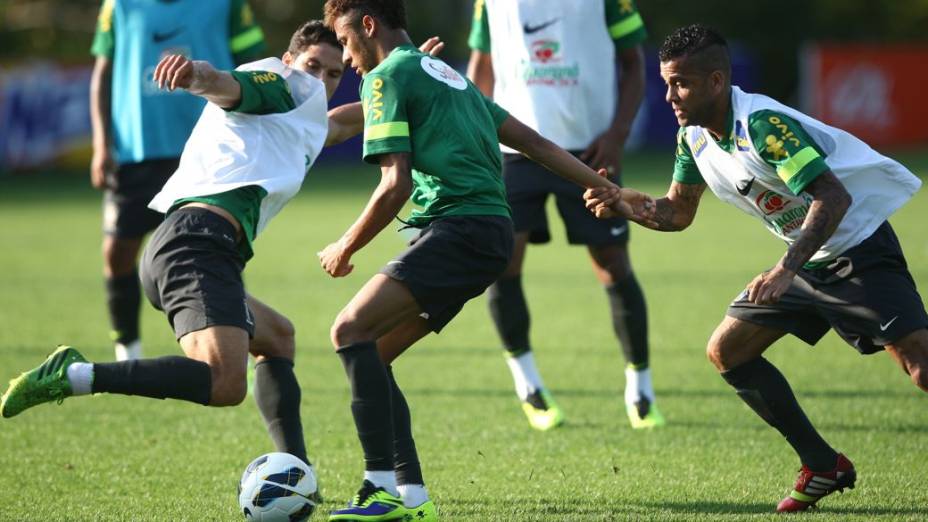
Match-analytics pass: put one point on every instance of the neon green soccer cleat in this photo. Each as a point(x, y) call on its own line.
point(424, 512)
point(48, 382)
point(542, 412)
point(644, 414)
point(371, 504)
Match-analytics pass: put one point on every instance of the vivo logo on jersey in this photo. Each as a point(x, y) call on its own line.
point(443, 72)
point(698, 141)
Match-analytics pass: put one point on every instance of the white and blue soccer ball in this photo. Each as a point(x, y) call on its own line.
point(277, 487)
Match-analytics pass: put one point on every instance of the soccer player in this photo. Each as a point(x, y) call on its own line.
point(263, 127)
point(553, 66)
point(139, 130)
point(828, 196)
point(436, 139)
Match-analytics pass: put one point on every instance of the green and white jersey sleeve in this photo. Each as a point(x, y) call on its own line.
point(104, 39)
point(685, 169)
point(386, 124)
point(625, 24)
point(784, 145)
point(246, 39)
point(263, 92)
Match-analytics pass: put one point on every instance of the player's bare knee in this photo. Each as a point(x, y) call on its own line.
point(346, 330)
point(284, 339)
point(229, 388)
point(118, 257)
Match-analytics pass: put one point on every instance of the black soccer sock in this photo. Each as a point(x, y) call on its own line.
point(277, 394)
point(408, 470)
point(370, 403)
point(123, 300)
point(630, 320)
point(510, 314)
point(172, 377)
point(765, 390)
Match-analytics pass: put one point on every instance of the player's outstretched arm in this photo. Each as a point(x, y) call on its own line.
point(671, 213)
point(176, 71)
point(515, 134)
point(386, 202)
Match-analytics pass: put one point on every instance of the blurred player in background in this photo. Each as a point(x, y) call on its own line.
point(553, 66)
point(824, 192)
point(436, 139)
point(139, 130)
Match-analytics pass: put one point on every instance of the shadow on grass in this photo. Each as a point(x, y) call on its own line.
point(722, 508)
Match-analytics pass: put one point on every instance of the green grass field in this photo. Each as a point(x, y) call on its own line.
point(116, 458)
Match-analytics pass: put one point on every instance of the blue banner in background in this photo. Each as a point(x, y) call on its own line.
point(44, 112)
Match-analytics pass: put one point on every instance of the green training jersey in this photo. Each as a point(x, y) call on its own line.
point(262, 93)
point(417, 104)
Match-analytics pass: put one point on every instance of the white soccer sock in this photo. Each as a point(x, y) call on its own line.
point(383, 479)
point(525, 375)
point(413, 494)
point(129, 352)
point(80, 375)
point(637, 383)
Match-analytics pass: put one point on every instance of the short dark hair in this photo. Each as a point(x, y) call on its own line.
point(697, 40)
point(313, 32)
point(390, 12)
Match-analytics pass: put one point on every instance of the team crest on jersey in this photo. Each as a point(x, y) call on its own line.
point(546, 51)
point(775, 147)
point(443, 72)
point(741, 137)
point(698, 141)
point(769, 202)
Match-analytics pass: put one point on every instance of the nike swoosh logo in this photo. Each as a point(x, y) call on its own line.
point(161, 37)
point(745, 188)
point(617, 231)
point(529, 29)
point(883, 327)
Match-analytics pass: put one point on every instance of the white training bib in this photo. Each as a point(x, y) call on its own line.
point(230, 150)
point(554, 67)
point(877, 184)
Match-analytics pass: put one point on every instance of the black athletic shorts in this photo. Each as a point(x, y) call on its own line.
point(451, 261)
point(131, 188)
point(866, 294)
point(528, 185)
point(192, 270)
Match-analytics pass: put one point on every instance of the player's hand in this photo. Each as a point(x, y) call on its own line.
point(176, 71)
point(102, 166)
point(605, 153)
point(336, 260)
point(432, 46)
point(769, 287)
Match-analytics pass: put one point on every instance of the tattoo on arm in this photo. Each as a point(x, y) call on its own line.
point(676, 210)
point(830, 203)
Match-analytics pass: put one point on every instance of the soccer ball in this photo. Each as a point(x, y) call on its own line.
point(277, 487)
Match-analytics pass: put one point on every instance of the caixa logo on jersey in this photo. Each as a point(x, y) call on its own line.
point(769, 202)
point(546, 51)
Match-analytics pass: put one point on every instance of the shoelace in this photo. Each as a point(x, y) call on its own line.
point(363, 494)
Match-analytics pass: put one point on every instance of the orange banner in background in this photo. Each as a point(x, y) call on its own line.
point(876, 92)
